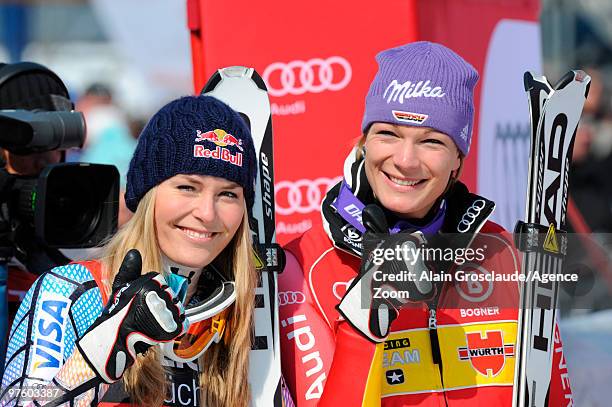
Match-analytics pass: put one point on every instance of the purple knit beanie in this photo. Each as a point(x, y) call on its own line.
point(423, 84)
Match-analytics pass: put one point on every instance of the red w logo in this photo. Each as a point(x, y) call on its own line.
point(486, 353)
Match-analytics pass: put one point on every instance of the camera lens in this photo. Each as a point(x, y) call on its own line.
point(75, 208)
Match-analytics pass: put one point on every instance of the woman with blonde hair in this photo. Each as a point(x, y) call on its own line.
point(178, 282)
point(395, 304)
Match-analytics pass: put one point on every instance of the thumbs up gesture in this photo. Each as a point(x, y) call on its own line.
point(141, 312)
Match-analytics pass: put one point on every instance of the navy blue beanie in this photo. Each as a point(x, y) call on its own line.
point(192, 135)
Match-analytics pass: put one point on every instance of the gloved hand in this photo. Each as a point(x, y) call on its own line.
point(141, 312)
point(373, 299)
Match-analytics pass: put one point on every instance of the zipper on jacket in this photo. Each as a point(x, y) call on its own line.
point(433, 338)
point(435, 343)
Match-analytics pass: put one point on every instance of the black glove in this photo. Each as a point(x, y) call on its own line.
point(374, 298)
point(141, 312)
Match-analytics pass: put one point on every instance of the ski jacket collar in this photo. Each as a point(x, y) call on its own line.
point(461, 212)
point(350, 208)
point(191, 274)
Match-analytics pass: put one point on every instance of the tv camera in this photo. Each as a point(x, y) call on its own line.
point(66, 205)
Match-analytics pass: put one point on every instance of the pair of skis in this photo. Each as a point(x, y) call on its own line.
point(554, 118)
point(244, 91)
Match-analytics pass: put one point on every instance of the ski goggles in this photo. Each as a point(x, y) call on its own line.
point(207, 321)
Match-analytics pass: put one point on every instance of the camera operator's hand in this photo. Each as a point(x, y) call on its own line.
point(373, 300)
point(141, 312)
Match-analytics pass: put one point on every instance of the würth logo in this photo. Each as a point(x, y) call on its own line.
point(487, 354)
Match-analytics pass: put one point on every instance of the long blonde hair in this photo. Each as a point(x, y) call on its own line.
point(225, 366)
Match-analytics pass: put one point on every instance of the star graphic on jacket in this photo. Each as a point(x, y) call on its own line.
point(395, 377)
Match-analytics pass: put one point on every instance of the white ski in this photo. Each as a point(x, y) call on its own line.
point(243, 89)
point(554, 118)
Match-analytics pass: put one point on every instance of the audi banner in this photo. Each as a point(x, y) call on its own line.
point(317, 60)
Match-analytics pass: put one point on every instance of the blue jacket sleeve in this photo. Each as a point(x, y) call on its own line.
point(56, 311)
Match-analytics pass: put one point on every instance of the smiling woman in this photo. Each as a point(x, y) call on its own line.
point(196, 216)
point(176, 279)
point(400, 327)
point(409, 168)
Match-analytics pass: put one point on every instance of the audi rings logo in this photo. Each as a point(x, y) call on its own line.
point(470, 215)
point(315, 76)
point(301, 196)
point(290, 297)
point(340, 287)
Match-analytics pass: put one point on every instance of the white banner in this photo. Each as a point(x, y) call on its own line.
point(504, 132)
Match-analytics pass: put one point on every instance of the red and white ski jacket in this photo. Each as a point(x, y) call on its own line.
point(328, 363)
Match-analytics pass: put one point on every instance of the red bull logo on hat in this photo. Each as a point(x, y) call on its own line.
point(487, 353)
point(221, 139)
